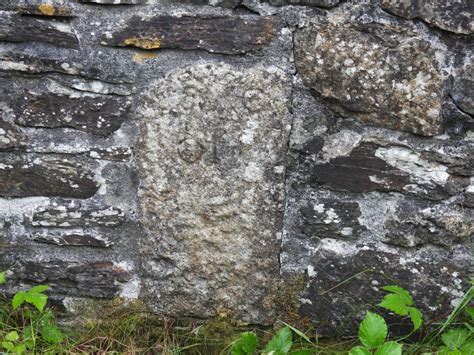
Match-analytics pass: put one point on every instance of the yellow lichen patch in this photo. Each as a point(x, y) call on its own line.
point(145, 43)
point(140, 57)
point(47, 9)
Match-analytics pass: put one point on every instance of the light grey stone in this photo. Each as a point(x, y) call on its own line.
point(211, 164)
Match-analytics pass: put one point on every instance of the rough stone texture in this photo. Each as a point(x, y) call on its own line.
point(98, 114)
point(321, 3)
point(35, 175)
point(10, 136)
point(230, 35)
point(14, 28)
point(230, 147)
point(382, 74)
point(450, 15)
point(214, 222)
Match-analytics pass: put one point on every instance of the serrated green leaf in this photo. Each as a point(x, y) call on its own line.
point(416, 317)
point(37, 299)
point(281, 342)
point(12, 336)
point(395, 303)
point(389, 348)
point(3, 278)
point(359, 350)
point(8, 345)
point(249, 342)
point(455, 338)
point(372, 330)
point(38, 289)
point(51, 333)
point(18, 299)
point(407, 299)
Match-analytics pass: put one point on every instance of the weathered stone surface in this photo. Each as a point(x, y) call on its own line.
point(33, 175)
point(10, 136)
point(49, 9)
point(436, 281)
point(330, 218)
point(15, 28)
point(211, 192)
point(450, 15)
point(72, 215)
point(229, 35)
point(220, 3)
point(415, 224)
point(375, 168)
point(77, 239)
point(98, 114)
point(321, 3)
point(379, 73)
point(115, 2)
point(94, 279)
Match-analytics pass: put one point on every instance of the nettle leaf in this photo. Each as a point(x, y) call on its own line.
point(249, 342)
point(3, 278)
point(18, 299)
point(12, 336)
point(38, 289)
point(37, 299)
point(51, 333)
point(389, 348)
point(372, 330)
point(401, 292)
point(281, 342)
point(359, 350)
point(455, 338)
point(395, 303)
point(416, 317)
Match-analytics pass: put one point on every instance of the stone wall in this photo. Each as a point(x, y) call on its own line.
point(203, 155)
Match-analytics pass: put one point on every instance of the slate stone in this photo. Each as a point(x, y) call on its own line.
point(71, 239)
point(34, 175)
point(336, 297)
point(94, 279)
point(329, 218)
point(219, 3)
point(381, 74)
point(10, 136)
point(72, 215)
point(319, 3)
point(115, 2)
point(15, 28)
point(414, 224)
point(97, 114)
point(449, 15)
point(48, 9)
point(212, 189)
point(371, 168)
point(228, 35)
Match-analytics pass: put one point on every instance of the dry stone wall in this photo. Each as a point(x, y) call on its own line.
point(201, 155)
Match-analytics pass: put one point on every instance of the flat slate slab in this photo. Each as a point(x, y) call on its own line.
point(227, 35)
point(16, 28)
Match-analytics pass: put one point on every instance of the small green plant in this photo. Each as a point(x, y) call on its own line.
point(27, 324)
point(373, 329)
point(280, 344)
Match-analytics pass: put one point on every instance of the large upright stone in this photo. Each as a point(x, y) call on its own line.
point(381, 74)
point(212, 171)
point(451, 15)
